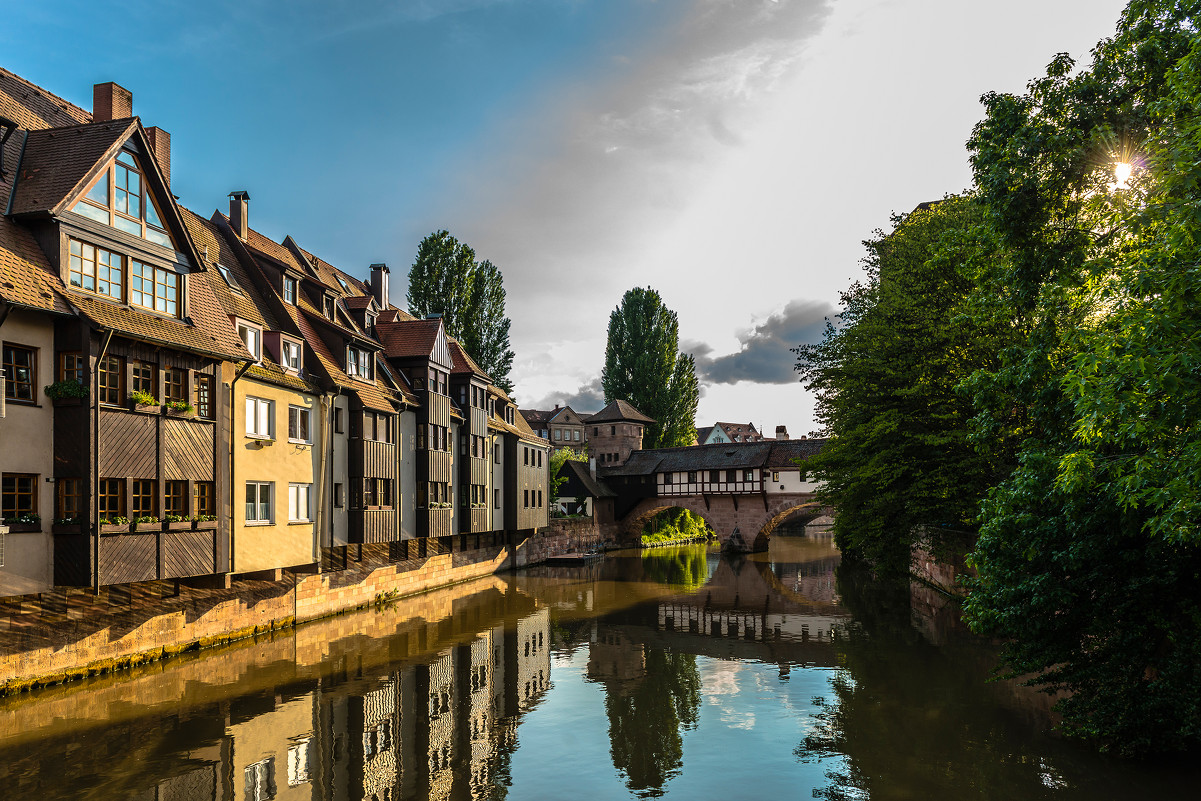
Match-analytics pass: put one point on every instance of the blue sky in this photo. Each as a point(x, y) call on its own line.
point(732, 154)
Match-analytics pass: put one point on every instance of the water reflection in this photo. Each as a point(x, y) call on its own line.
point(677, 672)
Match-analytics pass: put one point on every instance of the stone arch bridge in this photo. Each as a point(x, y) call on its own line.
point(742, 490)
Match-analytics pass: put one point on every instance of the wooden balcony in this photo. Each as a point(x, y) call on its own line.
point(372, 525)
point(434, 522)
point(125, 558)
point(474, 521)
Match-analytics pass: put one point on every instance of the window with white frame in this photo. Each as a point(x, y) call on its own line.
point(291, 353)
point(259, 418)
point(260, 780)
point(299, 771)
point(299, 429)
point(289, 290)
point(259, 501)
point(300, 505)
point(252, 338)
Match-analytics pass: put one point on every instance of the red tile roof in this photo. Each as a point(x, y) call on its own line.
point(463, 363)
point(409, 338)
point(33, 108)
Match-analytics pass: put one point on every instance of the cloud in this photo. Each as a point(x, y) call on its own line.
point(585, 178)
point(765, 354)
point(588, 398)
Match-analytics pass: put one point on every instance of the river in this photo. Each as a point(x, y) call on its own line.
point(673, 672)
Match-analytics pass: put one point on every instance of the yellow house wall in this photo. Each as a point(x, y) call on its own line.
point(269, 736)
point(27, 446)
point(280, 543)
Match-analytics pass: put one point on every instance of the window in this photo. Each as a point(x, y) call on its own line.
point(298, 425)
point(539, 499)
point(339, 495)
point(613, 431)
point(291, 355)
point(20, 369)
point(300, 506)
point(731, 475)
point(120, 199)
point(204, 396)
point(229, 278)
point(18, 495)
point(260, 780)
point(539, 458)
point(153, 288)
point(175, 498)
point(95, 270)
point(252, 338)
point(327, 307)
point(259, 414)
point(558, 434)
point(748, 475)
point(342, 281)
point(69, 499)
point(258, 501)
point(358, 363)
point(205, 498)
point(111, 497)
point(525, 455)
point(337, 420)
point(596, 431)
point(143, 498)
point(289, 290)
point(576, 435)
point(714, 476)
point(496, 453)
point(775, 475)
point(142, 378)
point(495, 499)
point(667, 478)
point(691, 476)
point(70, 368)
point(526, 498)
point(108, 380)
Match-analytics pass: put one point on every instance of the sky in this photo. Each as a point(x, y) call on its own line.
point(731, 154)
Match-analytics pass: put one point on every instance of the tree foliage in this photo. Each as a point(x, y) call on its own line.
point(1089, 554)
point(557, 457)
point(899, 461)
point(643, 366)
point(446, 279)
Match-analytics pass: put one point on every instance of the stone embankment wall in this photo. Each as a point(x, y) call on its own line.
point(942, 575)
point(70, 633)
point(560, 537)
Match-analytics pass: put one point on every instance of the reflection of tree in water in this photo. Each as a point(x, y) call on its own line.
point(906, 714)
point(686, 567)
point(645, 724)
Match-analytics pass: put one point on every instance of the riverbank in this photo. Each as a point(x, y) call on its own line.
point(69, 634)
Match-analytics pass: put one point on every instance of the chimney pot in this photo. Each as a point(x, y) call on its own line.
point(160, 144)
point(379, 284)
point(111, 101)
point(239, 202)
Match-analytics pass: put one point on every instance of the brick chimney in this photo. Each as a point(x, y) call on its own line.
point(238, 210)
point(379, 284)
point(160, 143)
point(111, 102)
point(781, 432)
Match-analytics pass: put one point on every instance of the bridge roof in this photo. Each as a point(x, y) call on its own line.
point(726, 455)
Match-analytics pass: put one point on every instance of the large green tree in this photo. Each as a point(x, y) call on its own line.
point(644, 366)
point(899, 464)
point(446, 279)
point(1089, 556)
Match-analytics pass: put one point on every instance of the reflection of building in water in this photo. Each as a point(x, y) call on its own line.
point(747, 624)
point(614, 660)
point(533, 658)
point(271, 751)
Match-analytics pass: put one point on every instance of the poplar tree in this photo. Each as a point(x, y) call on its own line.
point(446, 279)
point(644, 367)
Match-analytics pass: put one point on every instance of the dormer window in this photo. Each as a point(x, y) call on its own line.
point(359, 362)
point(252, 338)
point(369, 321)
point(289, 290)
point(119, 199)
point(327, 307)
point(95, 269)
point(345, 286)
point(291, 355)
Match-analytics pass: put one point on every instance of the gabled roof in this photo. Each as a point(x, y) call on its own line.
point(59, 162)
point(215, 249)
point(741, 430)
point(777, 454)
point(409, 339)
point(578, 475)
point(702, 434)
point(463, 363)
point(618, 410)
point(359, 302)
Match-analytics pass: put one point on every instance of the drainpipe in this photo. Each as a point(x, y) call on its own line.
point(96, 464)
point(324, 521)
point(232, 412)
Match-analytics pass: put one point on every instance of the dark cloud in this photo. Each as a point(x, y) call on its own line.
point(765, 355)
point(585, 400)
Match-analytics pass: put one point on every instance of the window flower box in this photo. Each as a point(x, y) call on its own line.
point(146, 525)
point(177, 525)
point(114, 528)
point(203, 525)
point(67, 528)
point(143, 402)
point(179, 409)
point(23, 528)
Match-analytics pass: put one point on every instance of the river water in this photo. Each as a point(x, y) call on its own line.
point(672, 672)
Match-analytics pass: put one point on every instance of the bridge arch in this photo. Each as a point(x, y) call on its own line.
point(809, 509)
point(637, 520)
